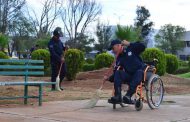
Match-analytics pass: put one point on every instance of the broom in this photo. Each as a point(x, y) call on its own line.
point(58, 78)
point(95, 98)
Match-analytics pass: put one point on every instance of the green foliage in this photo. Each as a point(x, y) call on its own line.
point(88, 67)
point(104, 34)
point(81, 42)
point(81, 61)
point(183, 63)
point(3, 41)
point(189, 63)
point(127, 33)
point(43, 42)
point(74, 59)
point(153, 53)
point(3, 55)
point(185, 75)
point(182, 70)
point(142, 21)
point(169, 38)
point(103, 60)
point(89, 61)
point(43, 54)
point(171, 63)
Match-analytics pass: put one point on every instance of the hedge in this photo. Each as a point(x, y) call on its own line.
point(74, 60)
point(154, 53)
point(171, 63)
point(103, 60)
point(43, 54)
point(3, 55)
point(88, 67)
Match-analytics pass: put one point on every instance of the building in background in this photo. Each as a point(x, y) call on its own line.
point(184, 54)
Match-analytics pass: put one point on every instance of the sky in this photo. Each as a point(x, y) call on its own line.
point(122, 12)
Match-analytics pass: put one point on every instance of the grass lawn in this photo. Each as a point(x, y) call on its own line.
point(185, 75)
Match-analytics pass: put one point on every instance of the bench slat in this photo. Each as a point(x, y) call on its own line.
point(18, 97)
point(36, 83)
point(21, 61)
point(7, 73)
point(20, 67)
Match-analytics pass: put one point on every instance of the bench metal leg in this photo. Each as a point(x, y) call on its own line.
point(40, 95)
point(25, 94)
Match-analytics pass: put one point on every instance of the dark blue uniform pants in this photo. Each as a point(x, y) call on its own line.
point(132, 80)
point(55, 67)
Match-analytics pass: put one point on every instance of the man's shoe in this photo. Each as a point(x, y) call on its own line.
point(128, 100)
point(61, 88)
point(115, 100)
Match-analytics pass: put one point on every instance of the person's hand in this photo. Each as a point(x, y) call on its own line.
point(105, 78)
point(63, 59)
point(125, 42)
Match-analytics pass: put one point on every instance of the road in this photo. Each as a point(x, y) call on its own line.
point(174, 109)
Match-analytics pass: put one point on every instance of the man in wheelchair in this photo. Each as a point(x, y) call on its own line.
point(128, 69)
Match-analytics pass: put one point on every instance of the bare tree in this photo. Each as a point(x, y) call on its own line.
point(8, 12)
point(50, 12)
point(77, 15)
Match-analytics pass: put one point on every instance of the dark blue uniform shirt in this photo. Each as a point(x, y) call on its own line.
point(130, 59)
point(56, 49)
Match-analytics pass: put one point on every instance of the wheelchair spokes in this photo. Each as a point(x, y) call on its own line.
point(155, 92)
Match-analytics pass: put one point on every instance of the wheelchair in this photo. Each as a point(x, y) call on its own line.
point(153, 86)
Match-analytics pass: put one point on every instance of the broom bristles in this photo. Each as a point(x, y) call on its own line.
point(57, 83)
point(94, 100)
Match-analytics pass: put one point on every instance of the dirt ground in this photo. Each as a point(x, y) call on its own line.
point(82, 88)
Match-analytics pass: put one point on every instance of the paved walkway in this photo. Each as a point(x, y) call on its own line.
point(175, 109)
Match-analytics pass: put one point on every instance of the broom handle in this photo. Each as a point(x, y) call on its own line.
point(60, 68)
point(61, 64)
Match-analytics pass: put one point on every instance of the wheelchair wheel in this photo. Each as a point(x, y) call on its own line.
point(155, 91)
point(138, 105)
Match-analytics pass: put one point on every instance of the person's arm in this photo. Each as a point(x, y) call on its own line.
point(137, 47)
point(53, 53)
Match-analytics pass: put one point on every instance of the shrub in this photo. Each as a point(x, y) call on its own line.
point(88, 67)
point(3, 55)
point(150, 53)
point(74, 60)
point(183, 63)
point(42, 54)
point(3, 41)
point(81, 61)
point(89, 61)
point(189, 62)
point(103, 60)
point(182, 70)
point(43, 42)
point(171, 63)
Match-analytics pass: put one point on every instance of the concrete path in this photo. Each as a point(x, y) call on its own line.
point(174, 109)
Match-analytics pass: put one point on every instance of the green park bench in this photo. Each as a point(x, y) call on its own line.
point(26, 68)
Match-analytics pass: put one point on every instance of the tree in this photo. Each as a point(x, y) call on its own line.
point(127, 33)
point(43, 42)
point(143, 23)
point(169, 38)
point(21, 32)
point(77, 15)
point(9, 9)
point(43, 24)
point(83, 42)
point(3, 42)
point(104, 34)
